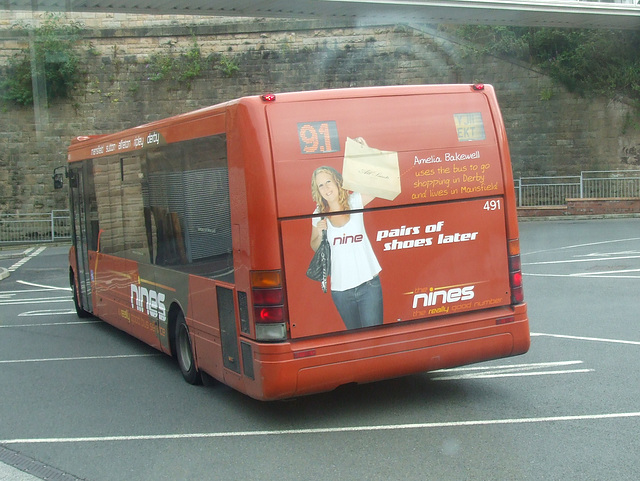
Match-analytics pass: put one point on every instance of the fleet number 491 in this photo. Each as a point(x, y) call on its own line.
point(492, 205)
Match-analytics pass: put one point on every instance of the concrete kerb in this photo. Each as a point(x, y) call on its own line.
point(12, 254)
point(9, 473)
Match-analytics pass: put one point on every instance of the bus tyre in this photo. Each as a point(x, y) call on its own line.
point(184, 353)
point(82, 314)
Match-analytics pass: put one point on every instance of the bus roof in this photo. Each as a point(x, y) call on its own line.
point(188, 126)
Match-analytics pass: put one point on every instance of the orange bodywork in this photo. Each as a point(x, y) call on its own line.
point(440, 233)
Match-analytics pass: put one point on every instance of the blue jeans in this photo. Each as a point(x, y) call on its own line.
point(360, 306)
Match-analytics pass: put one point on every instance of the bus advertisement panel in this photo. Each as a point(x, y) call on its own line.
point(413, 209)
point(429, 261)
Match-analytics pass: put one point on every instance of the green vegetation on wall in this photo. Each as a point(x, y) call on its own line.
point(587, 62)
point(54, 53)
point(180, 67)
point(50, 52)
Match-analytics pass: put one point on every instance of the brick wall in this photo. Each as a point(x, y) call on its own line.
point(628, 205)
point(551, 132)
point(597, 207)
point(543, 211)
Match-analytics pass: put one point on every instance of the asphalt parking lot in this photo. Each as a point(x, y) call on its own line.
point(88, 402)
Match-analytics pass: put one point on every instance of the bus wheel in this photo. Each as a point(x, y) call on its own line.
point(82, 314)
point(184, 353)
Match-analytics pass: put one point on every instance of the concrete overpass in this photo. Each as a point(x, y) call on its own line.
point(625, 14)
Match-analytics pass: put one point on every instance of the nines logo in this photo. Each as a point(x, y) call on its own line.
point(148, 301)
point(443, 296)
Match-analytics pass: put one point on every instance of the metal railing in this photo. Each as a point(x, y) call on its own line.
point(547, 191)
point(37, 228)
point(530, 192)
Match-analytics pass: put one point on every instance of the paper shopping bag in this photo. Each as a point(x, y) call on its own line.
point(370, 171)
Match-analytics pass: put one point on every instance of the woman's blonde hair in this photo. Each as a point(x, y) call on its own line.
point(343, 194)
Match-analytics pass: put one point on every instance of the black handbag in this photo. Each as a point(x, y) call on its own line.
point(320, 265)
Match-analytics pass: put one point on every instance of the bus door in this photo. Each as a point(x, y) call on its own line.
point(81, 233)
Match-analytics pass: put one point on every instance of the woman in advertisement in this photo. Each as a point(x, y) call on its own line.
point(355, 285)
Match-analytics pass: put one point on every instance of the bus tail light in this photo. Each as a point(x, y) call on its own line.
point(515, 272)
point(269, 313)
point(267, 297)
point(268, 305)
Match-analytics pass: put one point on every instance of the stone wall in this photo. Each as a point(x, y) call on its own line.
point(551, 132)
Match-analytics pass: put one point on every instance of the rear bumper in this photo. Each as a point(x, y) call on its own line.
point(321, 364)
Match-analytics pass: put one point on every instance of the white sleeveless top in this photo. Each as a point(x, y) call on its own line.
point(353, 261)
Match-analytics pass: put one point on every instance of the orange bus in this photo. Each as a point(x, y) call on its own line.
point(289, 244)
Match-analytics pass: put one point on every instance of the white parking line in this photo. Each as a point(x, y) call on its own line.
point(582, 338)
point(49, 324)
point(507, 370)
point(590, 275)
point(39, 300)
point(345, 429)
point(79, 358)
point(511, 374)
point(590, 257)
point(44, 287)
point(30, 254)
point(511, 366)
point(29, 291)
point(607, 274)
point(49, 312)
point(589, 244)
point(574, 261)
point(606, 254)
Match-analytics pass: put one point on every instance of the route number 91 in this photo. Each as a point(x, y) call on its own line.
point(318, 137)
point(492, 205)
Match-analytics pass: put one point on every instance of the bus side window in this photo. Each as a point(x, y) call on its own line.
point(187, 205)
